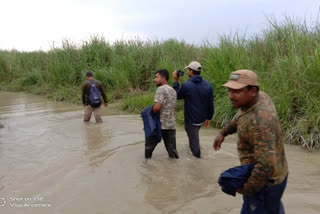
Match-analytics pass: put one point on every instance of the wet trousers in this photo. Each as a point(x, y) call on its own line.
point(193, 135)
point(169, 139)
point(271, 203)
point(88, 110)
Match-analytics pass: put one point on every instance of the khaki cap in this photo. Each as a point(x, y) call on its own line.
point(196, 66)
point(242, 78)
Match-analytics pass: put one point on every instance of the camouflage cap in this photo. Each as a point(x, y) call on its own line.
point(242, 78)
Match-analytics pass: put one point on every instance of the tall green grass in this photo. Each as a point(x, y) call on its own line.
point(286, 57)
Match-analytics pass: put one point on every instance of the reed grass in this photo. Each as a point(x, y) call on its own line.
point(286, 57)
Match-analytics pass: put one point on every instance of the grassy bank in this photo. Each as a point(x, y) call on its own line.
point(286, 58)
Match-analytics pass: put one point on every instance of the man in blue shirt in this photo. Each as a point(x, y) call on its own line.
point(198, 103)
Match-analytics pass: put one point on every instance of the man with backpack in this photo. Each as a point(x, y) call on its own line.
point(92, 90)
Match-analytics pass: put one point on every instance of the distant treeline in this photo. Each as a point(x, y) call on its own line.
point(286, 58)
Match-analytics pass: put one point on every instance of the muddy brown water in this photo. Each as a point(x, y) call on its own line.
point(52, 162)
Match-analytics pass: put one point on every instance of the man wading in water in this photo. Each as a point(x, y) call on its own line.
point(165, 103)
point(260, 141)
point(92, 90)
point(198, 103)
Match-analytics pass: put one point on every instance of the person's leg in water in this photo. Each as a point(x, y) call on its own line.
point(87, 113)
point(169, 138)
point(271, 201)
point(273, 197)
point(97, 114)
point(150, 145)
point(193, 135)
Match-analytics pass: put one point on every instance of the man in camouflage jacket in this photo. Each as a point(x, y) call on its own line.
point(260, 138)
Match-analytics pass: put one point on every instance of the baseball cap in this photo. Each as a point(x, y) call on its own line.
point(196, 66)
point(242, 78)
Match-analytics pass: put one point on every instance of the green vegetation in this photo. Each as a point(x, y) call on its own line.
point(286, 58)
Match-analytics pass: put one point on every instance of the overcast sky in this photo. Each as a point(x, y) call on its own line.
point(36, 24)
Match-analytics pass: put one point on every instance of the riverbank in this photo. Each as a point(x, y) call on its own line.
point(286, 57)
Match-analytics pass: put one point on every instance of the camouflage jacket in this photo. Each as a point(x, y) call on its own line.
point(261, 143)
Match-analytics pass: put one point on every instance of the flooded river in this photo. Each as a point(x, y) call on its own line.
point(52, 162)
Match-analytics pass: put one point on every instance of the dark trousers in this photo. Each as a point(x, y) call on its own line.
point(169, 138)
point(271, 203)
point(193, 135)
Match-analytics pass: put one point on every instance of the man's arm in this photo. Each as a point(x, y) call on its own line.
point(176, 86)
point(156, 108)
point(103, 94)
point(84, 93)
point(230, 128)
point(158, 101)
point(264, 140)
point(180, 90)
point(227, 130)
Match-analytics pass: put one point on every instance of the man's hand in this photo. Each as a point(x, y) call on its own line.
point(239, 191)
point(106, 105)
point(84, 105)
point(218, 141)
point(207, 123)
point(175, 76)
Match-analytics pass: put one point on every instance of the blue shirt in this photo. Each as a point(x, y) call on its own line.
point(198, 99)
